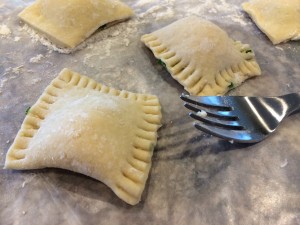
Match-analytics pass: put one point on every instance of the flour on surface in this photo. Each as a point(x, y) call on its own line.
point(161, 10)
point(238, 18)
point(4, 30)
point(284, 163)
point(36, 80)
point(15, 70)
point(141, 3)
point(158, 12)
point(158, 9)
point(127, 42)
point(115, 33)
point(9, 74)
point(16, 39)
point(36, 59)
point(151, 11)
point(221, 8)
point(35, 37)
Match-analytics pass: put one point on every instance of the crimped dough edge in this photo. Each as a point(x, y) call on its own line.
point(144, 142)
point(192, 82)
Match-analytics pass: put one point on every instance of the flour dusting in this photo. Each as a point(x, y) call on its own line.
point(167, 9)
point(4, 30)
point(36, 59)
point(158, 9)
point(284, 163)
point(220, 8)
point(141, 3)
point(16, 39)
point(10, 73)
point(15, 70)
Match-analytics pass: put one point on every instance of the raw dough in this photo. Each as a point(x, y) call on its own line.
point(279, 20)
point(69, 22)
point(201, 56)
point(83, 126)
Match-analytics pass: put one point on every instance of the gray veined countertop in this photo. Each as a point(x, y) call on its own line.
point(195, 178)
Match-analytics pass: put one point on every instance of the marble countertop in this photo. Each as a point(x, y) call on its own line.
point(195, 178)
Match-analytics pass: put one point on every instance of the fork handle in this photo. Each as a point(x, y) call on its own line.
point(293, 102)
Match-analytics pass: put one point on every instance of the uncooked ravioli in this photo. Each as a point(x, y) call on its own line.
point(201, 56)
point(67, 23)
point(83, 126)
point(279, 20)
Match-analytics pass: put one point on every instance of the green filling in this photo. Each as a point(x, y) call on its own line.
point(27, 110)
point(231, 86)
point(245, 49)
point(161, 63)
point(248, 53)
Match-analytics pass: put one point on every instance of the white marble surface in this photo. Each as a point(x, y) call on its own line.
point(195, 178)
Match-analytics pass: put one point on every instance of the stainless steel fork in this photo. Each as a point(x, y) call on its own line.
point(240, 118)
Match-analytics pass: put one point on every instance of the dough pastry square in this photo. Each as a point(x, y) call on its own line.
point(279, 20)
point(201, 56)
point(83, 126)
point(69, 22)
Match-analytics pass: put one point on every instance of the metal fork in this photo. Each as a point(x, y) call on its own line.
point(240, 118)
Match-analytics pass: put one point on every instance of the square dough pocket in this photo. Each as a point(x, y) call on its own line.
point(67, 23)
point(201, 56)
point(80, 125)
point(279, 20)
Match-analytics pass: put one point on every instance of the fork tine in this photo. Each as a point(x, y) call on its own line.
point(241, 136)
point(212, 102)
point(224, 115)
point(226, 124)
